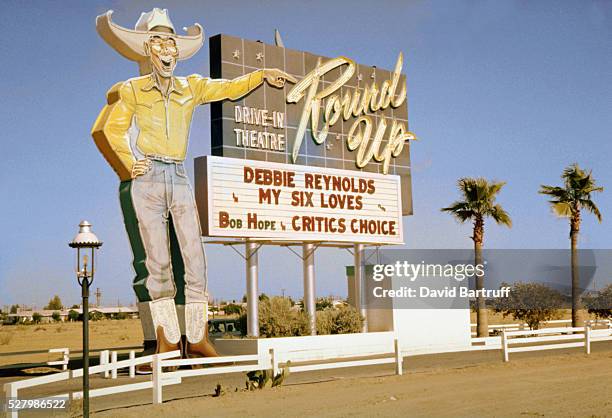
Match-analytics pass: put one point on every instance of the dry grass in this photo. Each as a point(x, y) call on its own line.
point(103, 334)
point(6, 337)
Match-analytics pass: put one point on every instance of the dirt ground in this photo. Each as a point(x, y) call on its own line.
point(102, 334)
point(557, 385)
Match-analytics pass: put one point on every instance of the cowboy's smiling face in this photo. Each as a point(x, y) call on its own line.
point(163, 54)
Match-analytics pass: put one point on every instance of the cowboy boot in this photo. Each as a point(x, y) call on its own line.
point(168, 334)
point(196, 329)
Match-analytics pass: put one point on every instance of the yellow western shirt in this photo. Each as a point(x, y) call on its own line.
point(159, 123)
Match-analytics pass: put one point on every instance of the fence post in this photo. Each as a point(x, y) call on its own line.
point(132, 367)
point(114, 363)
point(274, 363)
point(399, 360)
point(104, 360)
point(587, 339)
point(157, 379)
point(504, 346)
point(66, 359)
point(10, 392)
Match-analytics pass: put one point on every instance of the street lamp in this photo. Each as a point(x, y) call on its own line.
point(86, 243)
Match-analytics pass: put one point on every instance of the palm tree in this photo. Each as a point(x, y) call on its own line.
point(567, 202)
point(478, 203)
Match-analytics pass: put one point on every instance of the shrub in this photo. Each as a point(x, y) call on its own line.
point(36, 317)
point(96, 316)
point(73, 315)
point(344, 320)
point(232, 309)
point(530, 302)
point(600, 303)
point(56, 316)
point(276, 319)
point(324, 303)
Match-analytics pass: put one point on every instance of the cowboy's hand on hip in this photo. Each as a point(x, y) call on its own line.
point(277, 78)
point(140, 167)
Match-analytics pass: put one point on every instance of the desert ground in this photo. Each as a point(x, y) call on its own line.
point(103, 334)
point(556, 383)
point(559, 383)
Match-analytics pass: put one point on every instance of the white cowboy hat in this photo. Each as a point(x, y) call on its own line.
point(130, 43)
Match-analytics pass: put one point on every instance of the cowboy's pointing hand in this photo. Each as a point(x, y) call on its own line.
point(277, 78)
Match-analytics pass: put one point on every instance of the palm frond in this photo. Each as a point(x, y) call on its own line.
point(500, 216)
point(479, 196)
point(590, 206)
point(562, 209)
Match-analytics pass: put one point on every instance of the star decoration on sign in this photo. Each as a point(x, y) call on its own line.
point(236, 54)
point(259, 56)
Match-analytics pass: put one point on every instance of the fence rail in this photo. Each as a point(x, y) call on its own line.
point(509, 338)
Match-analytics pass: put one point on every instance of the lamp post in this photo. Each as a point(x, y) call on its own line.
point(86, 243)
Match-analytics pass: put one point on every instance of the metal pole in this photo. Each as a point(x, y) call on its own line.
point(252, 292)
point(85, 295)
point(359, 285)
point(309, 285)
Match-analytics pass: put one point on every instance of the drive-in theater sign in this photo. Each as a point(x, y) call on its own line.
point(325, 159)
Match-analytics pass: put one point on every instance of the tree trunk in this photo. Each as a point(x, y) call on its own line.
point(576, 291)
point(482, 323)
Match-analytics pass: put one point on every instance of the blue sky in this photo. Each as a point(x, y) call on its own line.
point(508, 90)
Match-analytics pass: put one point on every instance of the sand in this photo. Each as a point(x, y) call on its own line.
point(554, 385)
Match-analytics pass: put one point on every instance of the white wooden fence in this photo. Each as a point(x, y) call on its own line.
point(552, 338)
point(161, 378)
point(12, 389)
point(556, 322)
point(65, 357)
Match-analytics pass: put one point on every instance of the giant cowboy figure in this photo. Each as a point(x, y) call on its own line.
point(143, 132)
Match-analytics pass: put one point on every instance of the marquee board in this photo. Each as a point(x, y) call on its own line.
point(259, 199)
point(322, 121)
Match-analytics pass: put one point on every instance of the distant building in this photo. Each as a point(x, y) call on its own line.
point(27, 315)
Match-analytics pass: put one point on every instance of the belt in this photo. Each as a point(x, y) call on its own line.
point(163, 159)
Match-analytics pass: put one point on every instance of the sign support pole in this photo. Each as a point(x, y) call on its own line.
point(252, 293)
point(359, 284)
point(308, 250)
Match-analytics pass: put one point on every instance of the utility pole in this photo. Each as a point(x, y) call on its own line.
point(98, 297)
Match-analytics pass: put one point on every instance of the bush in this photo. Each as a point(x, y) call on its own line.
point(600, 303)
point(96, 316)
point(56, 316)
point(344, 320)
point(277, 319)
point(324, 303)
point(530, 302)
point(36, 317)
point(73, 315)
point(232, 309)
